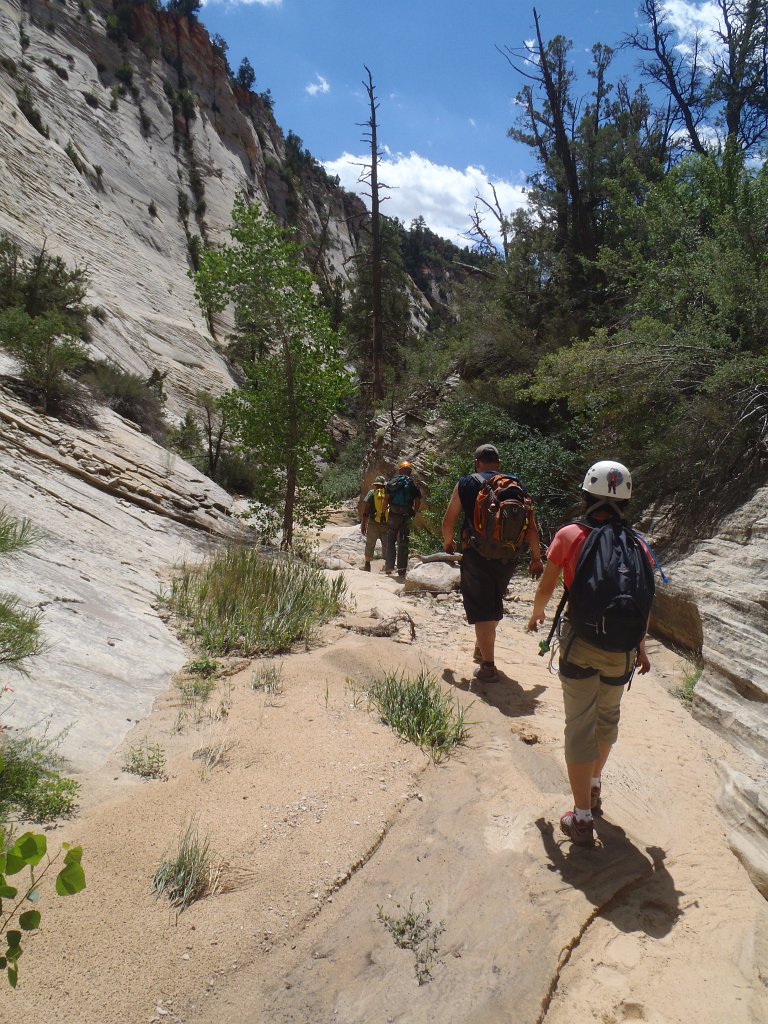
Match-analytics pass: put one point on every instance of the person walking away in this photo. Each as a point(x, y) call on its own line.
point(499, 521)
point(608, 575)
point(373, 522)
point(403, 502)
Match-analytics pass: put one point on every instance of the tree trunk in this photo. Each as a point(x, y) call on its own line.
point(291, 474)
point(376, 301)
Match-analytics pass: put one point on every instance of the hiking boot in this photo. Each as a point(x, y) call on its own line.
point(596, 802)
point(477, 656)
point(367, 567)
point(581, 833)
point(401, 573)
point(486, 673)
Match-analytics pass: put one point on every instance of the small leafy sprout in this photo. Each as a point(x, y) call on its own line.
point(415, 931)
point(146, 760)
point(204, 667)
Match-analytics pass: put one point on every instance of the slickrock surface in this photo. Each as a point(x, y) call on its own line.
point(322, 816)
point(114, 512)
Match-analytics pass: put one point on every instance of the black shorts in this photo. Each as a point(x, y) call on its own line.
point(484, 582)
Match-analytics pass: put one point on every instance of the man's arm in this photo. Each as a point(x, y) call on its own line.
point(365, 513)
point(450, 519)
point(536, 568)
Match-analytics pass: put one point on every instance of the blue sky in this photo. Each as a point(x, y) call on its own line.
point(445, 92)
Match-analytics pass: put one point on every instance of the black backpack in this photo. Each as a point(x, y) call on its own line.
point(610, 598)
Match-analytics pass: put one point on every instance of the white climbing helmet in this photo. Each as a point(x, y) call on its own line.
point(608, 479)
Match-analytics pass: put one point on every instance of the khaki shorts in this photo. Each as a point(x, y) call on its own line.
point(592, 706)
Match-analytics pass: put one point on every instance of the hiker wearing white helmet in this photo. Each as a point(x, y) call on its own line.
point(608, 577)
point(373, 522)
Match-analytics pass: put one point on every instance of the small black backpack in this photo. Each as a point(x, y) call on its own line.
point(610, 598)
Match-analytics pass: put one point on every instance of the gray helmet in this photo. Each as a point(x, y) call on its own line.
point(380, 482)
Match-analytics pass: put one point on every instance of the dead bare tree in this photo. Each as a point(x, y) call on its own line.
point(369, 175)
point(714, 81)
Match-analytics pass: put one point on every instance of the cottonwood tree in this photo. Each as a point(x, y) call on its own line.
point(296, 379)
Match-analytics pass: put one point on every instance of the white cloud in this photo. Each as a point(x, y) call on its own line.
point(443, 196)
point(245, 3)
point(690, 19)
point(320, 86)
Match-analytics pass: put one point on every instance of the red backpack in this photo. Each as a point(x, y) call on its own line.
point(501, 517)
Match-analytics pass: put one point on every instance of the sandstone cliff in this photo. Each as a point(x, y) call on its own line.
point(146, 146)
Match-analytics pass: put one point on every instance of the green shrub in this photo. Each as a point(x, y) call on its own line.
point(9, 65)
point(47, 351)
point(146, 760)
point(191, 874)
point(57, 68)
point(30, 111)
point(92, 100)
point(129, 395)
point(342, 478)
point(152, 208)
point(30, 784)
point(241, 600)
point(205, 667)
point(19, 628)
point(74, 156)
point(419, 711)
point(183, 201)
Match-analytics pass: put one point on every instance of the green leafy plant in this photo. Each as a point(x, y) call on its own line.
point(414, 930)
point(92, 100)
point(241, 600)
point(74, 156)
point(19, 628)
point(192, 872)
point(31, 785)
point(204, 667)
point(30, 111)
point(27, 853)
point(147, 760)
point(685, 692)
point(196, 688)
point(419, 711)
point(129, 394)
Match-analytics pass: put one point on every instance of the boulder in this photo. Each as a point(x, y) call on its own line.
point(433, 577)
point(346, 552)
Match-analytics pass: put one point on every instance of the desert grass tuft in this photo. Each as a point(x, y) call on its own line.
point(240, 600)
point(419, 711)
point(193, 872)
point(684, 693)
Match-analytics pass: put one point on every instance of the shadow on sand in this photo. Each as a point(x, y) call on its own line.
point(506, 694)
point(633, 891)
